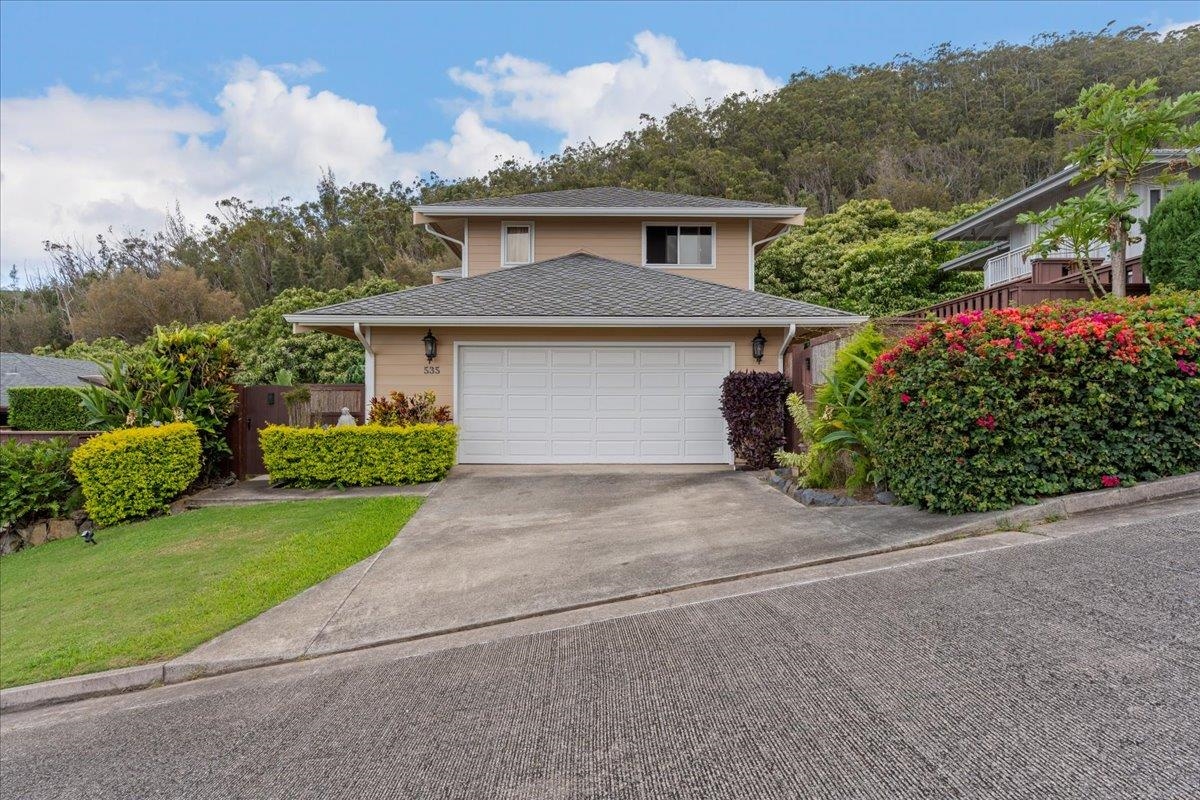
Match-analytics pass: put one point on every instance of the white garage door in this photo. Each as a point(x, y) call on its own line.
point(617, 404)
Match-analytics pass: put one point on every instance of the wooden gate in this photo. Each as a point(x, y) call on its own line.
point(260, 406)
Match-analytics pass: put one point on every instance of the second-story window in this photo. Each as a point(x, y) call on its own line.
point(679, 245)
point(516, 243)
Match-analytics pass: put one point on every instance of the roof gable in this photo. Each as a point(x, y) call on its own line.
point(579, 286)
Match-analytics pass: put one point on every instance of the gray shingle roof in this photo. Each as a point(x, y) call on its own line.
point(601, 197)
point(576, 285)
point(18, 369)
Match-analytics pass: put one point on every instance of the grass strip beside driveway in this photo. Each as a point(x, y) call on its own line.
point(156, 589)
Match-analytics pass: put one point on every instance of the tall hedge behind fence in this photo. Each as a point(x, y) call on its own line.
point(46, 408)
point(364, 455)
point(136, 472)
point(985, 410)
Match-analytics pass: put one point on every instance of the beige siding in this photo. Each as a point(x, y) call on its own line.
point(618, 239)
point(400, 355)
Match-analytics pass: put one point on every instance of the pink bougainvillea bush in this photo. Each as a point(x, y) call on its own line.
point(988, 409)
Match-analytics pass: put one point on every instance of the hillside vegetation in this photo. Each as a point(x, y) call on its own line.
point(925, 134)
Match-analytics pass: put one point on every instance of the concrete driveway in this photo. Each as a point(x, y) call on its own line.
point(499, 543)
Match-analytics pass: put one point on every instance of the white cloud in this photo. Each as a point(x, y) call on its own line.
point(601, 101)
point(73, 165)
point(1174, 27)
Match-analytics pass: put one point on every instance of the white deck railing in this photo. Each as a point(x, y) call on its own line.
point(1006, 267)
point(1017, 264)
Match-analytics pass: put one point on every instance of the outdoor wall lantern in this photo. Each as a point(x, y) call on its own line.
point(757, 345)
point(430, 345)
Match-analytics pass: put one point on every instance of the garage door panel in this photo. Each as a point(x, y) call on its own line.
point(668, 428)
point(616, 404)
point(519, 357)
point(535, 448)
point(661, 404)
point(527, 381)
point(572, 381)
point(616, 358)
point(660, 357)
point(591, 403)
point(617, 426)
point(572, 403)
point(526, 426)
point(660, 382)
point(706, 381)
point(570, 357)
point(526, 404)
point(481, 405)
point(573, 449)
point(483, 381)
point(704, 358)
point(626, 381)
point(479, 357)
point(567, 426)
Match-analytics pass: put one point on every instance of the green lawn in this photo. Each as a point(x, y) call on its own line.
point(155, 589)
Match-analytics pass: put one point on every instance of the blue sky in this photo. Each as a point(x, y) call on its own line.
point(114, 111)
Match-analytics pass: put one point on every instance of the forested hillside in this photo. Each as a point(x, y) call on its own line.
point(952, 127)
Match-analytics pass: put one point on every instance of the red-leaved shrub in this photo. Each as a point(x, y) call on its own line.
point(753, 406)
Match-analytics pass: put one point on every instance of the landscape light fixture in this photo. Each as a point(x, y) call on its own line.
point(758, 345)
point(430, 345)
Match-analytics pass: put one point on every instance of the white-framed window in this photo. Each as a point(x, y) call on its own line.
point(679, 245)
point(516, 243)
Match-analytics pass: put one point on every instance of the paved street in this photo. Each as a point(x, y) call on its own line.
point(1066, 668)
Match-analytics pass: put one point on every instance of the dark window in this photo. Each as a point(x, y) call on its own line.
point(685, 245)
point(1155, 197)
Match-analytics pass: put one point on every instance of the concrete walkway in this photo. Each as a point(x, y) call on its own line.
point(500, 543)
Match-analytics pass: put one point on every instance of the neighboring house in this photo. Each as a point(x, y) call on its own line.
point(1006, 259)
point(589, 325)
point(18, 369)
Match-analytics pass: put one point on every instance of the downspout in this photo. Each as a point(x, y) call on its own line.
point(368, 368)
point(787, 342)
point(764, 242)
point(462, 247)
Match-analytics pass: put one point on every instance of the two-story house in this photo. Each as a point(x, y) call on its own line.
point(1011, 270)
point(584, 326)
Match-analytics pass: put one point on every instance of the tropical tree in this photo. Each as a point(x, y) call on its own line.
point(1121, 129)
point(1078, 225)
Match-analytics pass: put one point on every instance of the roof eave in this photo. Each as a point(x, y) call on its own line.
point(795, 215)
point(999, 211)
point(303, 322)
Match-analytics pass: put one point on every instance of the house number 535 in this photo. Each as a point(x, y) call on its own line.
point(433, 370)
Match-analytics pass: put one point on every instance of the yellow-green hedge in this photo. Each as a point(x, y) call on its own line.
point(366, 455)
point(136, 472)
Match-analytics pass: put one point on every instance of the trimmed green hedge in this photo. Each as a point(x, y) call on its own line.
point(1172, 254)
point(136, 472)
point(36, 481)
point(46, 408)
point(366, 455)
point(985, 410)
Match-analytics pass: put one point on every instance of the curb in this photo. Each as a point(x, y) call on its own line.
point(80, 687)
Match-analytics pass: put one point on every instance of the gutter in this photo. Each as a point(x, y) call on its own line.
point(700, 212)
point(368, 368)
point(840, 320)
point(462, 247)
point(787, 342)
